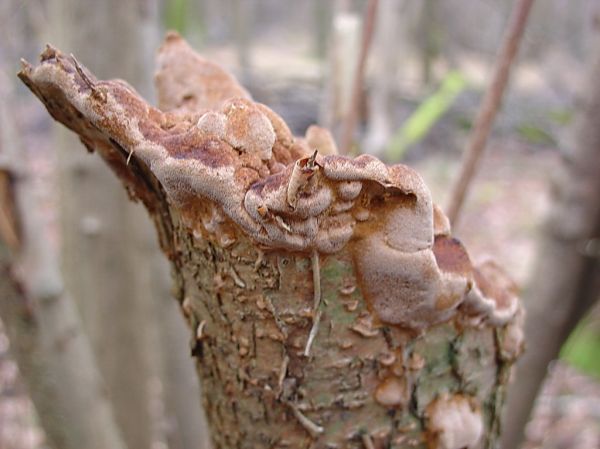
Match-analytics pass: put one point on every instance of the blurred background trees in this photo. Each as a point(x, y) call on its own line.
point(428, 65)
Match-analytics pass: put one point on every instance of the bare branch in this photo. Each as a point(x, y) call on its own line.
point(489, 106)
point(351, 118)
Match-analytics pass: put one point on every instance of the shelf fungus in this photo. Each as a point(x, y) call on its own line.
point(230, 159)
point(371, 266)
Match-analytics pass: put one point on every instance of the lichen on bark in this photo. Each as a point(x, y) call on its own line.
point(328, 304)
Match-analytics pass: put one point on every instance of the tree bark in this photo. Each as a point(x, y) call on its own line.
point(186, 422)
point(329, 305)
point(566, 279)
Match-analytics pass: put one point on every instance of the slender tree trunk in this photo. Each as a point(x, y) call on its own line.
point(428, 40)
point(243, 21)
point(100, 226)
point(566, 279)
point(342, 61)
point(329, 305)
point(51, 349)
point(322, 15)
point(386, 59)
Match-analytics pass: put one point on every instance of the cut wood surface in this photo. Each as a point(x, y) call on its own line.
point(328, 302)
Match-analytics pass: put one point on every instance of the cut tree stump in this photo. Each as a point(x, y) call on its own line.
point(328, 304)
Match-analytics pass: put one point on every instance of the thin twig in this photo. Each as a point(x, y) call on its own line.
point(313, 333)
point(8, 226)
point(351, 118)
point(368, 441)
point(282, 373)
point(312, 428)
point(316, 269)
point(86, 79)
point(92, 86)
point(489, 106)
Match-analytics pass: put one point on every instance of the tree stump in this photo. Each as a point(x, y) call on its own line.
point(329, 306)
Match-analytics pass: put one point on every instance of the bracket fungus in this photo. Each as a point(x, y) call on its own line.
point(280, 245)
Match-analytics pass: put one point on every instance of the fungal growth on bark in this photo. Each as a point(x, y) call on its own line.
point(329, 305)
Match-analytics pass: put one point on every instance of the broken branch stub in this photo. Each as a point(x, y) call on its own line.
point(253, 219)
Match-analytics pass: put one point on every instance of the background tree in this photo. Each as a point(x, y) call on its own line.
point(52, 350)
point(109, 249)
point(566, 280)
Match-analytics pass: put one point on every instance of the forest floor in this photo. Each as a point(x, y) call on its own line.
point(505, 208)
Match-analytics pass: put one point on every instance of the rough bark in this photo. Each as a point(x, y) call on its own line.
point(186, 422)
point(566, 279)
point(52, 352)
point(329, 305)
point(119, 302)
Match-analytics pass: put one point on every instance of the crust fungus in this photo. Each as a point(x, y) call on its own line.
point(187, 82)
point(393, 392)
point(494, 294)
point(223, 155)
point(321, 140)
point(454, 422)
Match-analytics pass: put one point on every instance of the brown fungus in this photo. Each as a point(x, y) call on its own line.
point(213, 165)
point(186, 81)
point(215, 152)
point(321, 139)
point(494, 294)
point(393, 392)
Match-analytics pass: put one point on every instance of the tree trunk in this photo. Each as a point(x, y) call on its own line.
point(242, 12)
point(186, 422)
point(328, 304)
point(99, 225)
point(386, 59)
point(342, 60)
point(52, 352)
point(566, 279)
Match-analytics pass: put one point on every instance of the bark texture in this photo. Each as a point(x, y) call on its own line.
point(566, 279)
point(329, 305)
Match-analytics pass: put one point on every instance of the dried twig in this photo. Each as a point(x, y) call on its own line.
point(282, 373)
point(351, 118)
point(312, 428)
point(367, 441)
point(490, 105)
point(316, 269)
point(8, 226)
point(313, 333)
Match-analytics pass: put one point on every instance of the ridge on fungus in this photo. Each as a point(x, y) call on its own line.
point(227, 162)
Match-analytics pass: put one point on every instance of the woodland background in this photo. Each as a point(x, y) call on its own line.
point(428, 66)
